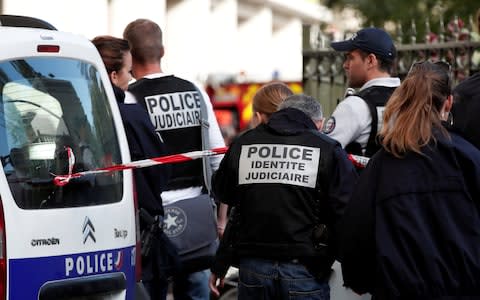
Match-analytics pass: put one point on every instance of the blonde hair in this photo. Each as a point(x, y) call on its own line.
point(413, 110)
point(267, 99)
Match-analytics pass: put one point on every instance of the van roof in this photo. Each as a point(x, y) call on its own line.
point(24, 21)
point(19, 42)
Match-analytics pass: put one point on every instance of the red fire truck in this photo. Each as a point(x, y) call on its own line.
point(232, 103)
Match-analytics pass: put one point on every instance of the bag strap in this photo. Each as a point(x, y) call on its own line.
point(375, 97)
point(205, 125)
point(321, 233)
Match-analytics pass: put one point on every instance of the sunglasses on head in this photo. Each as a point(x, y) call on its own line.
point(442, 64)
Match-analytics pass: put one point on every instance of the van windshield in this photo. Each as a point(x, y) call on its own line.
point(49, 105)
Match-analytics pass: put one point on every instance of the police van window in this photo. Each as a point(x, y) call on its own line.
point(47, 106)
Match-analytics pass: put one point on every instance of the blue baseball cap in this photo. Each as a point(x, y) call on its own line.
point(371, 40)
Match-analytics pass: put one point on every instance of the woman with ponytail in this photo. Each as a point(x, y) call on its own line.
point(412, 227)
point(266, 101)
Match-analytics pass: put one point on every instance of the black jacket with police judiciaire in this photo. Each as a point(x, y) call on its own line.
point(174, 107)
point(285, 178)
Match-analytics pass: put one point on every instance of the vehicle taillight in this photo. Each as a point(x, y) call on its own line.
point(3, 256)
point(48, 48)
point(138, 241)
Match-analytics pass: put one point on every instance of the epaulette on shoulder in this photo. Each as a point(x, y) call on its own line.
point(325, 137)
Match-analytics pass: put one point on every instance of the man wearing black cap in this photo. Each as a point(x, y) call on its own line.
point(369, 56)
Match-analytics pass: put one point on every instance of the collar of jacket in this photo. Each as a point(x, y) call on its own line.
point(290, 121)
point(119, 93)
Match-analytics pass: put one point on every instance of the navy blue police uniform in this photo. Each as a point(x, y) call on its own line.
point(143, 143)
point(426, 215)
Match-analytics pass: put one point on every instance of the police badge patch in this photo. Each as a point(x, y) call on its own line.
point(175, 221)
point(329, 125)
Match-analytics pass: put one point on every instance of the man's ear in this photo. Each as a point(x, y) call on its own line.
point(319, 124)
point(162, 51)
point(372, 60)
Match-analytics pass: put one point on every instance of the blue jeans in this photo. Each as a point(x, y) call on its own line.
point(268, 279)
point(193, 286)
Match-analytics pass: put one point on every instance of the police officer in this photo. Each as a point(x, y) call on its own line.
point(290, 184)
point(174, 105)
point(357, 119)
point(159, 258)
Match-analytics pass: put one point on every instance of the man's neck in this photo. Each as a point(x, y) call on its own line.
point(377, 74)
point(142, 70)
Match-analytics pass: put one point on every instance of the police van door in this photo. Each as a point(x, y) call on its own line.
point(76, 241)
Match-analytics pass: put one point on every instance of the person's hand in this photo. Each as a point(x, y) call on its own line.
point(214, 283)
point(220, 231)
point(222, 219)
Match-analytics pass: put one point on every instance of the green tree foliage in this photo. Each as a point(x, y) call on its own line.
point(402, 13)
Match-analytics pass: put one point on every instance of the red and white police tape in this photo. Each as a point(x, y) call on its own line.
point(358, 161)
point(61, 180)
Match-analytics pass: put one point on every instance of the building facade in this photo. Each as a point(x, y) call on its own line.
point(261, 39)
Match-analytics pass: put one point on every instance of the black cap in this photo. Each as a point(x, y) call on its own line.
point(371, 40)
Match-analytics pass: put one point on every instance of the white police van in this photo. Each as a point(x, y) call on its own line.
point(76, 241)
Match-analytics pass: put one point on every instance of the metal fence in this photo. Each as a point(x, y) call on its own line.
point(324, 77)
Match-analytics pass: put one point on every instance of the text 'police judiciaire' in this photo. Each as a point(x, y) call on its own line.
point(174, 110)
point(285, 164)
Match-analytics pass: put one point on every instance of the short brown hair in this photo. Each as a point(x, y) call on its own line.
point(146, 40)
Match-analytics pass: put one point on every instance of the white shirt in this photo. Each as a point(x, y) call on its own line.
point(351, 120)
point(215, 139)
